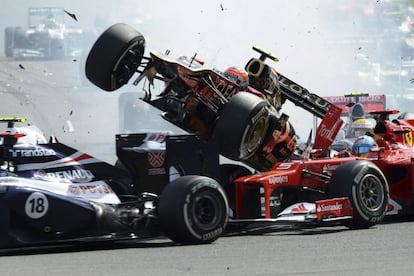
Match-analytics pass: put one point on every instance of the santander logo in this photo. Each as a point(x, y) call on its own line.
point(330, 207)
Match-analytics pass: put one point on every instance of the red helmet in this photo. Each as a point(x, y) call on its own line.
point(237, 76)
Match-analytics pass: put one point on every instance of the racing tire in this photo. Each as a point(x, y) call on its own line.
point(9, 41)
point(367, 189)
point(193, 210)
point(115, 57)
point(242, 126)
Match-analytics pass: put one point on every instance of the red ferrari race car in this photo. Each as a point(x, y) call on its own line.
point(243, 120)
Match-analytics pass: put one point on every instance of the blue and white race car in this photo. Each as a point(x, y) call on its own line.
point(51, 193)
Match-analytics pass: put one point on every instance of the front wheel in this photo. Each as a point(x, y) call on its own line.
point(367, 189)
point(193, 210)
point(115, 57)
point(242, 126)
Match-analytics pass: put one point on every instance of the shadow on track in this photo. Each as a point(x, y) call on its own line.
point(302, 229)
point(72, 247)
point(285, 229)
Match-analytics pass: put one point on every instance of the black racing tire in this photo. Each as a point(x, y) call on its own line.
point(115, 57)
point(193, 210)
point(367, 189)
point(9, 41)
point(242, 126)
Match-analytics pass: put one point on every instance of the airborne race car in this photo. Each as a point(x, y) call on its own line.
point(245, 125)
point(47, 36)
point(51, 193)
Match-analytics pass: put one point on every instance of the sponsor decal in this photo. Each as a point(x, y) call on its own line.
point(409, 138)
point(371, 102)
point(89, 189)
point(278, 179)
point(226, 89)
point(155, 137)
point(37, 152)
point(76, 176)
point(284, 166)
point(333, 207)
point(156, 158)
point(329, 167)
point(74, 190)
point(328, 128)
point(36, 205)
point(303, 93)
point(212, 234)
point(156, 171)
point(299, 209)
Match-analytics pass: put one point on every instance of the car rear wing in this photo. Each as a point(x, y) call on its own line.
point(317, 106)
point(301, 97)
point(156, 158)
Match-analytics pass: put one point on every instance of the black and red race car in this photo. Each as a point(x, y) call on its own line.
point(246, 126)
point(244, 121)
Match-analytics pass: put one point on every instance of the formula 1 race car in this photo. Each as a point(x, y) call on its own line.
point(378, 184)
point(244, 122)
point(47, 36)
point(242, 117)
point(51, 193)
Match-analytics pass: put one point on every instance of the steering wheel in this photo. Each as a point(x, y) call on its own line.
point(264, 54)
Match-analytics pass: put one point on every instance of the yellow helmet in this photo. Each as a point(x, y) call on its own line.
point(361, 126)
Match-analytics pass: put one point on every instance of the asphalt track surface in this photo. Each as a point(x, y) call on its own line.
point(51, 93)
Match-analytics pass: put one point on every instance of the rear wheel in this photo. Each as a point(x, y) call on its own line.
point(367, 189)
point(242, 126)
point(193, 210)
point(115, 57)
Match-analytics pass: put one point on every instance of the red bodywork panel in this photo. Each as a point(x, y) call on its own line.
point(328, 128)
point(333, 208)
point(285, 174)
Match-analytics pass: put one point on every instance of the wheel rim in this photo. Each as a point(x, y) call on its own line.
point(256, 134)
point(205, 211)
point(371, 192)
point(127, 64)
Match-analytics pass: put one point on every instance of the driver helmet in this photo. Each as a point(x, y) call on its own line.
point(361, 126)
point(237, 76)
point(31, 135)
point(51, 22)
point(362, 145)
